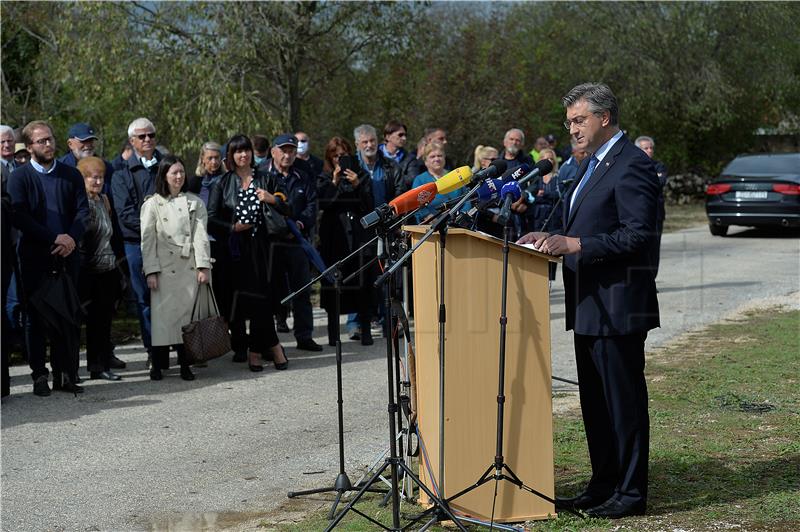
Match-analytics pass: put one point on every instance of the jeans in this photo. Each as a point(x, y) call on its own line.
point(133, 254)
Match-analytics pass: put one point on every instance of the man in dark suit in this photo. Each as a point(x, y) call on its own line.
point(610, 298)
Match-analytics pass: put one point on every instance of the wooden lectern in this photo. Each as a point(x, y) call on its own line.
point(473, 272)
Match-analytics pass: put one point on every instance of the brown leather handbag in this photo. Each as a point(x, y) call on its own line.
point(206, 338)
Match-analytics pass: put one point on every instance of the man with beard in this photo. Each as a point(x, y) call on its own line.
point(81, 140)
point(49, 206)
point(512, 152)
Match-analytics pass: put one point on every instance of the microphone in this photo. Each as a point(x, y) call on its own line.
point(516, 174)
point(543, 167)
point(453, 180)
point(489, 190)
point(405, 202)
point(495, 168)
point(511, 192)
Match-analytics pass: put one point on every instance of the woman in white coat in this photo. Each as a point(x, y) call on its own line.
point(176, 259)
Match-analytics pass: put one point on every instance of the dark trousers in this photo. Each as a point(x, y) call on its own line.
point(250, 300)
point(63, 359)
point(613, 397)
point(292, 261)
point(98, 292)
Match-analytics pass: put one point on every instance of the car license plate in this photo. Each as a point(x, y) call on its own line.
point(751, 194)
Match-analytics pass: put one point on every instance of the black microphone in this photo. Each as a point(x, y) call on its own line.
point(543, 167)
point(516, 173)
point(495, 168)
point(511, 193)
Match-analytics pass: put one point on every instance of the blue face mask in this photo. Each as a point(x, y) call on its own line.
point(259, 160)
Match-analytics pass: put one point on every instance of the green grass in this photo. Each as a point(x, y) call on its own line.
point(725, 437)
point(680, 217)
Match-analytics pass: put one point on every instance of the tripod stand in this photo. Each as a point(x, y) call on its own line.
point(342, 483)
point(394, 463)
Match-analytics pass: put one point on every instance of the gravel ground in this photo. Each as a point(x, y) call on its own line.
point(221, 452)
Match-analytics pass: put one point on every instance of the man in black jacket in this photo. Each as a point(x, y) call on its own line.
point(384, 172)
point(289, 258)
point(50, 210)
point(130, 185)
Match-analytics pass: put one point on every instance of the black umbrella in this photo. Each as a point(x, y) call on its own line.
point(57, 303)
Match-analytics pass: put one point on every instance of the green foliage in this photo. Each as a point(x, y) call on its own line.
point(699, 77)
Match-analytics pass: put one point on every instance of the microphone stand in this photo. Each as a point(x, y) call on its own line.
point(393, 462)
point(342, 483)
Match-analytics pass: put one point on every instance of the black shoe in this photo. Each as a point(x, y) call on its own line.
point(582, 501)
point(282, 327)
point(40, 386)
point(240, 356)
point(149, 363)
point(105, 375)
point(155, 374)
point(355, 335)
point(308, 344)
point(69, 385)
point(255, 368)
point(116, 363)
point(186, 373)
point(366, 338)
point(614, 509)
point(285, 364)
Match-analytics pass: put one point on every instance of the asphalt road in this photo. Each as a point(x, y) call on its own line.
point(225, 449)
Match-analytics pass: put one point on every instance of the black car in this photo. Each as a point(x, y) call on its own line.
point(755, 191)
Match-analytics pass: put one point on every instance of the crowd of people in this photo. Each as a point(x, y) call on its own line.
point(148, 227)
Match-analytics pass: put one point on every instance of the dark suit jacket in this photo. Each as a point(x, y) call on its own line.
point(610, 287)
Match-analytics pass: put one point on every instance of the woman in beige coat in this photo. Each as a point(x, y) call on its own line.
point(176, 259)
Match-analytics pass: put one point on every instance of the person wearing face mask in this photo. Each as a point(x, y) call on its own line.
point(260, 150)
point(305, 160)
point(176, 258)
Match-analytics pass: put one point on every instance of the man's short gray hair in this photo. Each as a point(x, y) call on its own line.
point(512, 130)
point(364, 129)
point(598, 96)
point(6, 129)
point(644, 138)
point(140, 123)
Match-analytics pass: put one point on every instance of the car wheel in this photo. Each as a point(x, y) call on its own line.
point(718, 230)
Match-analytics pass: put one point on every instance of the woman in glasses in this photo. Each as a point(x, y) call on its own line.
point(235, 207)
point(344, 190)
point(176, 259)
point(99, 279)
point(484, 155)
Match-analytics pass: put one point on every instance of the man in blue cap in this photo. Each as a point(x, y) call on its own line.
point(290, 259)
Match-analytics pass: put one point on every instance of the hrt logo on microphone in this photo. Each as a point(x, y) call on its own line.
point(424, 196)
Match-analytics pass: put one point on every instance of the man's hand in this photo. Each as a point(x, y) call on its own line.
point(152, 281)
point(535, 238)
point(559, 245)
point(265, 197)
point(202, 276)
point(520, 206)
point(239, 227)
point(64, 245)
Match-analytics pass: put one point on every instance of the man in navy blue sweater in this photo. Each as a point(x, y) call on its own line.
point(49, 206)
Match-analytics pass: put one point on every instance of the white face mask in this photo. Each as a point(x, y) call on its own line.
point(302, 147)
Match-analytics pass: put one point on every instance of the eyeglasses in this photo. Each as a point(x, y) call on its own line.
point(146, 136)
point(579, 121)
point(44, 141)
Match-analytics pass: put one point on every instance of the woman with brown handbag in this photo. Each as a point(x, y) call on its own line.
point(176, 260)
